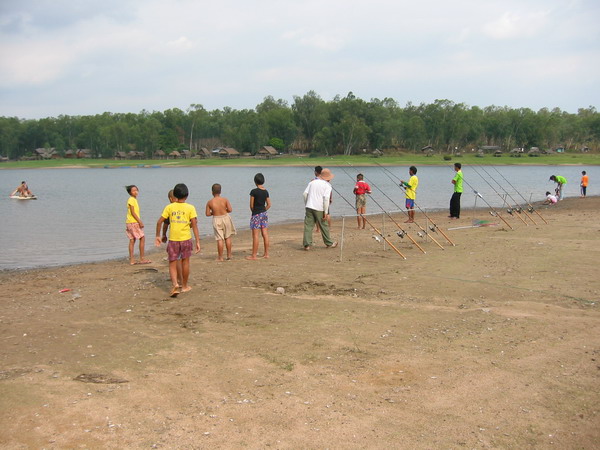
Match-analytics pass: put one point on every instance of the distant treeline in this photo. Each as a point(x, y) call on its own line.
point(345, 125)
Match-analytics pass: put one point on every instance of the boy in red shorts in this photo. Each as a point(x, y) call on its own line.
point(182, 217)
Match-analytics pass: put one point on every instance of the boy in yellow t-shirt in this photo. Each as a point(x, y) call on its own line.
point(182, 221)
point(411, 193)
point(134, 227)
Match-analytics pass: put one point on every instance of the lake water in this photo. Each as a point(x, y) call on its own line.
point(80, 213)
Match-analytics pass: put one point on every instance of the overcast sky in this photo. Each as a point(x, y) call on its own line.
point(79, 57)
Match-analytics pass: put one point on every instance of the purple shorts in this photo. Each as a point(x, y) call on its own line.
point(410, 203)
point(133, 231)
point(179, 249)
point(259, 221)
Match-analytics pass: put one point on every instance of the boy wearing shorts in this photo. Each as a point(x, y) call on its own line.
point(259, 222)
point(360, 189)
point(411, 193)
point(219, 207)
point(182, 221)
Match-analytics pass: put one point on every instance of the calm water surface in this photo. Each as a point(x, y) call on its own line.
point(80, 213)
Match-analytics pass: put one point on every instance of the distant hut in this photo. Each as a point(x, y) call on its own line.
point(70, 154)
point(83, 153)
point(203, 153)
point(228, 152)
point(428, 150)
point(516, 152)
point(174, 154)
point(489, 148)
point(266, 152)
point(120, 155)
point(39, 153)
point(159, 154)
point(533, 151)
point(186, 154)
point(377, 153)
point(498, 153)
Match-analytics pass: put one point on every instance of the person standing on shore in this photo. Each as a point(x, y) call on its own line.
point(584, 184)
point(219, 208)
point(457, 181)
point(259, 222)
point(134, 227)
point(316, 203)
point(411, 193)
point(560, 182)
point(361, 188)
point(183, 219)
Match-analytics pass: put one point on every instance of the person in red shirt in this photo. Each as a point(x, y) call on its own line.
point(360, 189)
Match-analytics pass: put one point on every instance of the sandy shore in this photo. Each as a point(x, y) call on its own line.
point(491, 343)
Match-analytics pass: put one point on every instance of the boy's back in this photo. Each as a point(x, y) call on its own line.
point(219, 206)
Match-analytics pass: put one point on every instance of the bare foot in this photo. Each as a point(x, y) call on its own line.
point(409, 221)
point(145, 261)
point(266, 256)
point(251, 257)
point(186, 289)
point(219, 259)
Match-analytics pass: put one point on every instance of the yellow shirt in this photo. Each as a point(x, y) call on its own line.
point(411, 189)
point(132, 202)
point(180, 215)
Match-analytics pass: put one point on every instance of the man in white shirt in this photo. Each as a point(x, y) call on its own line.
point(316, 202)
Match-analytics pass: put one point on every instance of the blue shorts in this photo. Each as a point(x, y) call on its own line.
point(259, 221)
point(410, 203)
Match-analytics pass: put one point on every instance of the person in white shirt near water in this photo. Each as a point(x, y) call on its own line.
point(316, 202)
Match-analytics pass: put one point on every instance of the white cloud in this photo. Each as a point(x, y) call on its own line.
point(513, 25)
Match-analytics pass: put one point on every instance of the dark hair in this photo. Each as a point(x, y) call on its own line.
point(259, 178)
point(360, 175)
point(547, 193)
point(318, 170)
point(216, 188)
point(552, 177)
point(458, 165)
point(129, 188)
point(412, 169)
point(180, 191)
point(583, 172)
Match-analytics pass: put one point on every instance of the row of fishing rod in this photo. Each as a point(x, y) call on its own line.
point(514, 207)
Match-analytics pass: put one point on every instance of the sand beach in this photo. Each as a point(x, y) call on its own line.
point(491, 343)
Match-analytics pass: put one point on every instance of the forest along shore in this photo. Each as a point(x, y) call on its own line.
point(492, 342)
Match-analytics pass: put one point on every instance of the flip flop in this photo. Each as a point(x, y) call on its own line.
point(174, 292)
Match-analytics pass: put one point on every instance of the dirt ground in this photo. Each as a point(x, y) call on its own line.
point(491, 343)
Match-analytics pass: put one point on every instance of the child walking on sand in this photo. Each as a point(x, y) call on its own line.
point(182, 216)
point(134, 227)
point(164, 239)
point(259, 205)
point(219, 207)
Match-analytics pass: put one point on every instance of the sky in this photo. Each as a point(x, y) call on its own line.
point(86, 57)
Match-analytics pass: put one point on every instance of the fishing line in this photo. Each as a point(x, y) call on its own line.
point(434, 226)
point(424, 231)
point(403, 232)
point(363, 217)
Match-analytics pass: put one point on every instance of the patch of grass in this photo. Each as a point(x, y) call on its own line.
point(279, 362)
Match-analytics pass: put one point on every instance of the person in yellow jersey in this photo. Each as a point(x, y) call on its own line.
point(411, 193)
point(183, 219)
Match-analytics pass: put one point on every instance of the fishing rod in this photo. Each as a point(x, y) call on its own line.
point(510, 210)
point(519, 209)
point(496, 213)
point(424, 231)
point(402, 232)
point(434, 226)
point(531, 208)
point(365, 219)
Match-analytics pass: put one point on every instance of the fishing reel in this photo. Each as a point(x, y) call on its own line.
point(510, 211)
point(401, 234)
point(433, 228)
point(530, 209)
point(420, 234)
point(519, 209)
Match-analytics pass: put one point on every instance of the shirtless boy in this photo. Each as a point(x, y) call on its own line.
point(219, 207)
